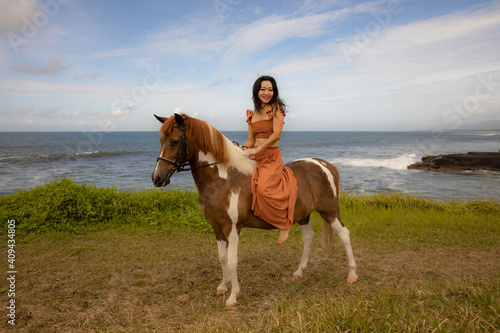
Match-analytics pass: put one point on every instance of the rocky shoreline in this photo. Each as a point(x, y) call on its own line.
point(460, 162)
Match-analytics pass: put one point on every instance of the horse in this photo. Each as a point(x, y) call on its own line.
point(222, 174)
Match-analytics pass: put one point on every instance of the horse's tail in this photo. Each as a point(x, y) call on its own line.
point(328, 238)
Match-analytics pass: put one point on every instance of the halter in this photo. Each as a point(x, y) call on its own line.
point(183, 149)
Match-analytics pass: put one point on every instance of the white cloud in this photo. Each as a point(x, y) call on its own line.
point(118, 113)
point(117, 53)
point(93, 75)
point(22, 110)
point(274, 29)
point(443, 48)
point(50, 112)
point(408, 72)
point(38, 88)
point(53, 67)
point(198, 37)
point(76, 114)
point(446, 47)
point(308, 6)
point(14, 14)
point(30, 27)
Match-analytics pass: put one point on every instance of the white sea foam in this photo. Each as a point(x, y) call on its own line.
point(88, 153)
point(400, 162)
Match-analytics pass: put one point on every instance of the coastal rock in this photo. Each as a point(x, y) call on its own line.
point(460, 162)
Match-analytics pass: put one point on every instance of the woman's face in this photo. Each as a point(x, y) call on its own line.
point(265, 92)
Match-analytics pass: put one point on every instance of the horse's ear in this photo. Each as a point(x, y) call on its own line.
point(179, 119)
point(160, 119)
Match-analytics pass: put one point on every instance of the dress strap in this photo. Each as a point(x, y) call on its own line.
point(272, 109)
point(249, 116)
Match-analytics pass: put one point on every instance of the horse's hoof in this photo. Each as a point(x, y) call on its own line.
point(230, 305)
point(352, 279)
point(220, 292)
point(296, 278)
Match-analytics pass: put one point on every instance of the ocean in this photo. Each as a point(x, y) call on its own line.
point(367, 161)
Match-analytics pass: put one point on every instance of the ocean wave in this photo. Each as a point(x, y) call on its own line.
point(478, 133)
point(53, 157)
point(400, 162)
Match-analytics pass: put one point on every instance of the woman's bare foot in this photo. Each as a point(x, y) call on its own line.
point(283, 236)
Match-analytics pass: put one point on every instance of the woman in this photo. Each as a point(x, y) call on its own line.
point(274, 186)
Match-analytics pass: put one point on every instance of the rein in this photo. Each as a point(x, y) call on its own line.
point(179, 167)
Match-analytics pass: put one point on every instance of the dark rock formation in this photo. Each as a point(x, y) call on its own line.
point(460, 162)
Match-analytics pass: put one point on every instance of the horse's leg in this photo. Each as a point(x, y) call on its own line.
point(343, 234)
point(307, 238)
point(232, 266)
point(232, 236)
point(222, 247)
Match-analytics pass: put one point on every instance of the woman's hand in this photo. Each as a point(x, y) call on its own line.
point(250, 152)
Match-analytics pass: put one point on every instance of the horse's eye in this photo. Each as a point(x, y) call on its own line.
point(175, 143)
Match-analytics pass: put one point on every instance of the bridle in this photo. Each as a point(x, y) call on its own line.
point(183, 149)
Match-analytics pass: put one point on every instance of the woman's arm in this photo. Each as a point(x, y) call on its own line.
point(278, 122)
point(250, 140)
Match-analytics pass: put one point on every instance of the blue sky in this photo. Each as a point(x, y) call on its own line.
point(341, 65)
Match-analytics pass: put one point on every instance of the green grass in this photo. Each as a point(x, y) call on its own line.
point(103, 260)
point(63, 205)
point(414, 221)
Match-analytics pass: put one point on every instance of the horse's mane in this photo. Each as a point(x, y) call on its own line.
point(210, 140)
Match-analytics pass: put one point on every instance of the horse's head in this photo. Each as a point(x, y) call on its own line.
point(186, 140)
point(174, 153)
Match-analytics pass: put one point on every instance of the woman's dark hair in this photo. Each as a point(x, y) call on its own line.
point(275, 101)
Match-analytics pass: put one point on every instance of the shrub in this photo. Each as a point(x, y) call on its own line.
point(63, 205)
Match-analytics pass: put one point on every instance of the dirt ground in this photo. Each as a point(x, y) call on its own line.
point(123, 281)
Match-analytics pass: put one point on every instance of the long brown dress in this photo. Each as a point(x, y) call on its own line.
point(274, 186)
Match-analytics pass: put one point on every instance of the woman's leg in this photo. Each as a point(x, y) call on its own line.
point(283, 236)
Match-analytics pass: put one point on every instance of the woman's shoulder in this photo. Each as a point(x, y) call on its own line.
point(270, 113)
point(274, 110)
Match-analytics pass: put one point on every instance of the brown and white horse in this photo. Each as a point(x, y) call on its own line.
point(223, 174)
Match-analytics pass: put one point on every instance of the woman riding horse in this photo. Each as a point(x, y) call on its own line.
point(274, 186)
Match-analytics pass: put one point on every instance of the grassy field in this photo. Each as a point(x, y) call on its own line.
point(102, 260)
